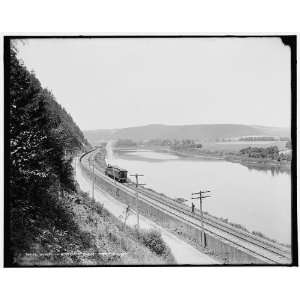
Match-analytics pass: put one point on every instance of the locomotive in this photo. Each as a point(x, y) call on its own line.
point(116, 173)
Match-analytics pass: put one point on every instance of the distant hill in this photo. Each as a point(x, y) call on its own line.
point(204, 132)
point(274, 131)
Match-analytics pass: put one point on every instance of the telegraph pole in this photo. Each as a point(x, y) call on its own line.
point(93, 182)
point(137, 184)
point(127, 211)
point(201, 195)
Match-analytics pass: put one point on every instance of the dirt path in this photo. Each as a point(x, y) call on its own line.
point(183, 252)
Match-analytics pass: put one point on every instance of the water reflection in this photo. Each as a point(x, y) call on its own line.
point(269, 170)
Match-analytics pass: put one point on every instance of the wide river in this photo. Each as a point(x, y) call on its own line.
point(260, 200)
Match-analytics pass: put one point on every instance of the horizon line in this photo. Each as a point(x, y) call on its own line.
point(195, 124)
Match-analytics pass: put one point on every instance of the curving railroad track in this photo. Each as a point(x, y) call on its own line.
point(264, 250)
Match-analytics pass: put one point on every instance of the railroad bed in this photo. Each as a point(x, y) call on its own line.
point(273, 247)
point(264, 250)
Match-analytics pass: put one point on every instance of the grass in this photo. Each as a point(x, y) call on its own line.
point(95, 238)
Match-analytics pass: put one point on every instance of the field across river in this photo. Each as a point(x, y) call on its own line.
point(236, 146)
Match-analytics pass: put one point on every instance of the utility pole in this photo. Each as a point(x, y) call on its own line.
point(127, 211)
point(137, 184)
point(201, 195)
point(93, 182)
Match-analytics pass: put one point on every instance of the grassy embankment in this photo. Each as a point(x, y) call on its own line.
point(78, 231)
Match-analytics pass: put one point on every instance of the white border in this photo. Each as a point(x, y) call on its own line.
point(155, 17)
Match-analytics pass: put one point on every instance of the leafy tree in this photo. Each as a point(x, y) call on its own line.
point(260, 152)
point(41, 132)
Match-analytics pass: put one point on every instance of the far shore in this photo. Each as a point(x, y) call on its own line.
point(252, 163)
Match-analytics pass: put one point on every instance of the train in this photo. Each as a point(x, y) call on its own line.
point(116, 173)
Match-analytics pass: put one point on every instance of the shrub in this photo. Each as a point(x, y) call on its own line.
point(99, 208)
point(152, 239)
point(256, 152)
point(87, 239)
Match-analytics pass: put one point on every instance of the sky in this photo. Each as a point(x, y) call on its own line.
point(117, 83)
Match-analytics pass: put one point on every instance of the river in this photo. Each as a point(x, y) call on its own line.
point(260, 200)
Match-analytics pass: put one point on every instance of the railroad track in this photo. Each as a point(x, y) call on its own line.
point(267, 251)
point(278, 249)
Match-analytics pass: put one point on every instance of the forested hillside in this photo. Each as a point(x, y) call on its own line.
point(49, 221)
point(41, 133)
point(201, 132)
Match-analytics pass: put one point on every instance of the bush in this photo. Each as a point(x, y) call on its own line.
point(152, 239)
point(256, 152)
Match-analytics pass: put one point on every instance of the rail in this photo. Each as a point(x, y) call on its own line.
point(183, 213)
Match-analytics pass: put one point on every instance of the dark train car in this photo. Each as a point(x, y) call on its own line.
point(116, 173)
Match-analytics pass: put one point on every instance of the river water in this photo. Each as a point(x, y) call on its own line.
point(260, 200)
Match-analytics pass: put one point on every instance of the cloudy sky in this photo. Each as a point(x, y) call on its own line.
point(115, 83)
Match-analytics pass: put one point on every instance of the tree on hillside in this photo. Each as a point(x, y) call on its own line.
point(27, 117)
point(40, 133)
